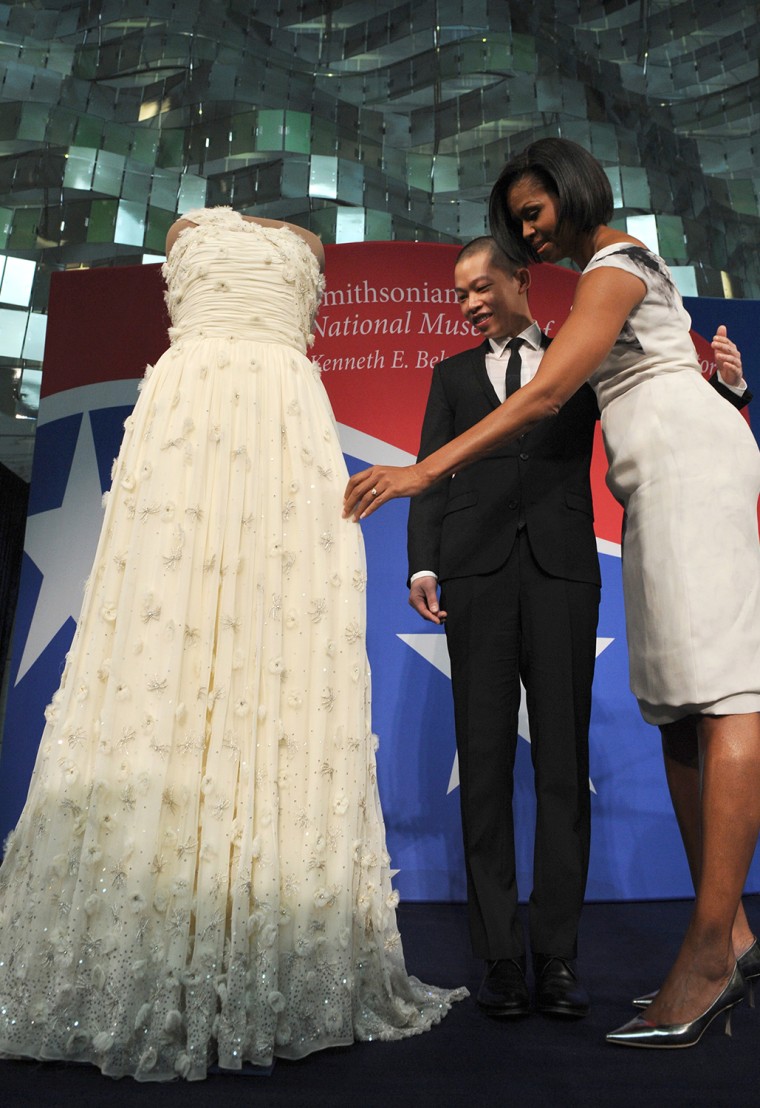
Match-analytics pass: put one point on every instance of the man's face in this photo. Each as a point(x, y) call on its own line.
point(494, 302)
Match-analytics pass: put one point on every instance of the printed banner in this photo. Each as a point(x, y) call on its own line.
point(388, 315)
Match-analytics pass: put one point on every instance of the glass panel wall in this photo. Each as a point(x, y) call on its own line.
point(365, 119)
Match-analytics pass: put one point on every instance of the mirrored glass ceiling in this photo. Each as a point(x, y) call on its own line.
point(362, 120)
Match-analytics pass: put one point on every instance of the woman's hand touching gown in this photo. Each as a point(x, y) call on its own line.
point(371, 488)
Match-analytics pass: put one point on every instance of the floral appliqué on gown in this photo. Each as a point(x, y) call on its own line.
point(200, 872)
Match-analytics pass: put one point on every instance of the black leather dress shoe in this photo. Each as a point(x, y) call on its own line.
point(558, 990)
point(504, 991)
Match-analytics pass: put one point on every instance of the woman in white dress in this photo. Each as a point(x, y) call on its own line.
point(686, 467)
point(200, 874)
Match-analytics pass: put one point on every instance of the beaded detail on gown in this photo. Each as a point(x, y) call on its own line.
point(200, 872)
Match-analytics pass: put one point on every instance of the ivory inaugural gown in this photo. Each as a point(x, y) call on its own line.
point(200, 871)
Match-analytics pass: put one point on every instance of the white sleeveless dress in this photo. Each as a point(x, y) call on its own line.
point(200, 872)
point(686, 468)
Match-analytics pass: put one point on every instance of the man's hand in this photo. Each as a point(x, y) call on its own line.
point(423, 597)
point(727, 358)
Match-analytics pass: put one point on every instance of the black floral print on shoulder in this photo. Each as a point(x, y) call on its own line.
point(646, 260)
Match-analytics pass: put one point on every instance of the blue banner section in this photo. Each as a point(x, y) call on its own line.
point(636, 851)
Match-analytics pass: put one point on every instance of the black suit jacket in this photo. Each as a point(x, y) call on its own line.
point(467, 525)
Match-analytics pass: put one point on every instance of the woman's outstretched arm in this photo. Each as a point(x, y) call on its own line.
point(603, 301)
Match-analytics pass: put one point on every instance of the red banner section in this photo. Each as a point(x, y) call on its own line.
point(388, 315)
point(126, 324)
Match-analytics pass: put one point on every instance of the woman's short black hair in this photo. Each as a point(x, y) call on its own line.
point(561, 167)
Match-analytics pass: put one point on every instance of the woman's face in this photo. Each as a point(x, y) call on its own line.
point(536, 210)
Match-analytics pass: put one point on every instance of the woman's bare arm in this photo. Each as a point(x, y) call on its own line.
point(603, 301)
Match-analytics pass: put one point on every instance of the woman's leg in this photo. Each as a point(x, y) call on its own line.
point(680, 749)
point(730, 821)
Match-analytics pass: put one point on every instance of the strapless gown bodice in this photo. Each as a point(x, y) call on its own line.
point(228, 277)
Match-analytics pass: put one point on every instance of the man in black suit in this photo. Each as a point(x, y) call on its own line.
point(511, 542)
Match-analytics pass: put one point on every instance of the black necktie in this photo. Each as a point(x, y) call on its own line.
point(514, 366)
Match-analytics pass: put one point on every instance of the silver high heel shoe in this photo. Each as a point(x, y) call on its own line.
point(640, 1032)
point(748, 963)
point(645, 1000)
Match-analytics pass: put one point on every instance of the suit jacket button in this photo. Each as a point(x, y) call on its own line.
point(513, 505)
point(524, 457)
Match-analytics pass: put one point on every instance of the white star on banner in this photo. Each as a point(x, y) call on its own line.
point(432, 647)
point(62, 544)
point(374, 451)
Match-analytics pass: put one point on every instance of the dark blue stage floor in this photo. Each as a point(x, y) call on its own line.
point(470, 1059)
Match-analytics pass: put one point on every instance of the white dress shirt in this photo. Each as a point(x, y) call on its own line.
point(531, 353)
